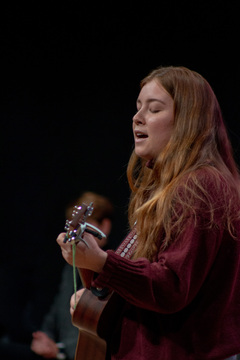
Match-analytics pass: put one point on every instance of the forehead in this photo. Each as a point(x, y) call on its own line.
point(154, 90)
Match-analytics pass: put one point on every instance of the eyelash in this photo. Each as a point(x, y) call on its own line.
point(154, 111)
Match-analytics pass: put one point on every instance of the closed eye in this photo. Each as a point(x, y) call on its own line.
point(154, 111)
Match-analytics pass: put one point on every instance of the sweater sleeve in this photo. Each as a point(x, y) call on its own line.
point(170, 283)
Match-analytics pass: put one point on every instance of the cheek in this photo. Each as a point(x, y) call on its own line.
point(161, 129)
point(162, 132)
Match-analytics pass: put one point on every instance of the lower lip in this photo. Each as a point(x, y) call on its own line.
point(137, 140)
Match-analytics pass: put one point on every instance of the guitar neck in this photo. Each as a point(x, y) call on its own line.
point(86, 277)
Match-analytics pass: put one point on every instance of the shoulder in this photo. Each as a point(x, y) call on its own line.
point(209, 180)
point(207, 188)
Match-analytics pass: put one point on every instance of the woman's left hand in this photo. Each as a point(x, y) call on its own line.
point(87, 257)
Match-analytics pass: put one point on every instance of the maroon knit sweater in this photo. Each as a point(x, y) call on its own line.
point(185, 305)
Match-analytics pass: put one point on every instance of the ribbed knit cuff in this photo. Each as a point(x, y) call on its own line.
point(116, 270)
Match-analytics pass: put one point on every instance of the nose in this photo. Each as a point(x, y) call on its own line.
point(138, 118)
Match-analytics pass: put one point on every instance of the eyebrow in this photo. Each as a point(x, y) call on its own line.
point(151, 100)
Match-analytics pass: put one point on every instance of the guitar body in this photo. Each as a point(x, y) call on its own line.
point(95, 319)
point(90, 347)
point(86, 316)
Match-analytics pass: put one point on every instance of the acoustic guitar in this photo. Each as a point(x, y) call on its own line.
point(90, 310)
point(94, 316)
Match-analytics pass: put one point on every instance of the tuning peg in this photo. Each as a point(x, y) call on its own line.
point(67, 225)
point(74, 213)
point(77, 207)
point(90, 209)
point(76, 210)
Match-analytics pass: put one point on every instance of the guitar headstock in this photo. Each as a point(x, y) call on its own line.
point(76, 226)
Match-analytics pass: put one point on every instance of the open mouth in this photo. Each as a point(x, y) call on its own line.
point(140, 135)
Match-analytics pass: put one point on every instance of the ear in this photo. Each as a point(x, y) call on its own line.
point(106, 226)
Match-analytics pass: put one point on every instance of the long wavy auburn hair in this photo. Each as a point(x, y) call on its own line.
point(199, 140)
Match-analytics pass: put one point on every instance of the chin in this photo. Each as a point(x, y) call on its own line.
point(143, 156)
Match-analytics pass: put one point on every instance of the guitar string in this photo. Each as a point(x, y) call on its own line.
point(74, 274)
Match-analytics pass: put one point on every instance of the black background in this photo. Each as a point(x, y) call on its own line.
point(70, 78)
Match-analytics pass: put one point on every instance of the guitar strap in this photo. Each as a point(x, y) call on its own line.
point(126, 250)
point(128, 245)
